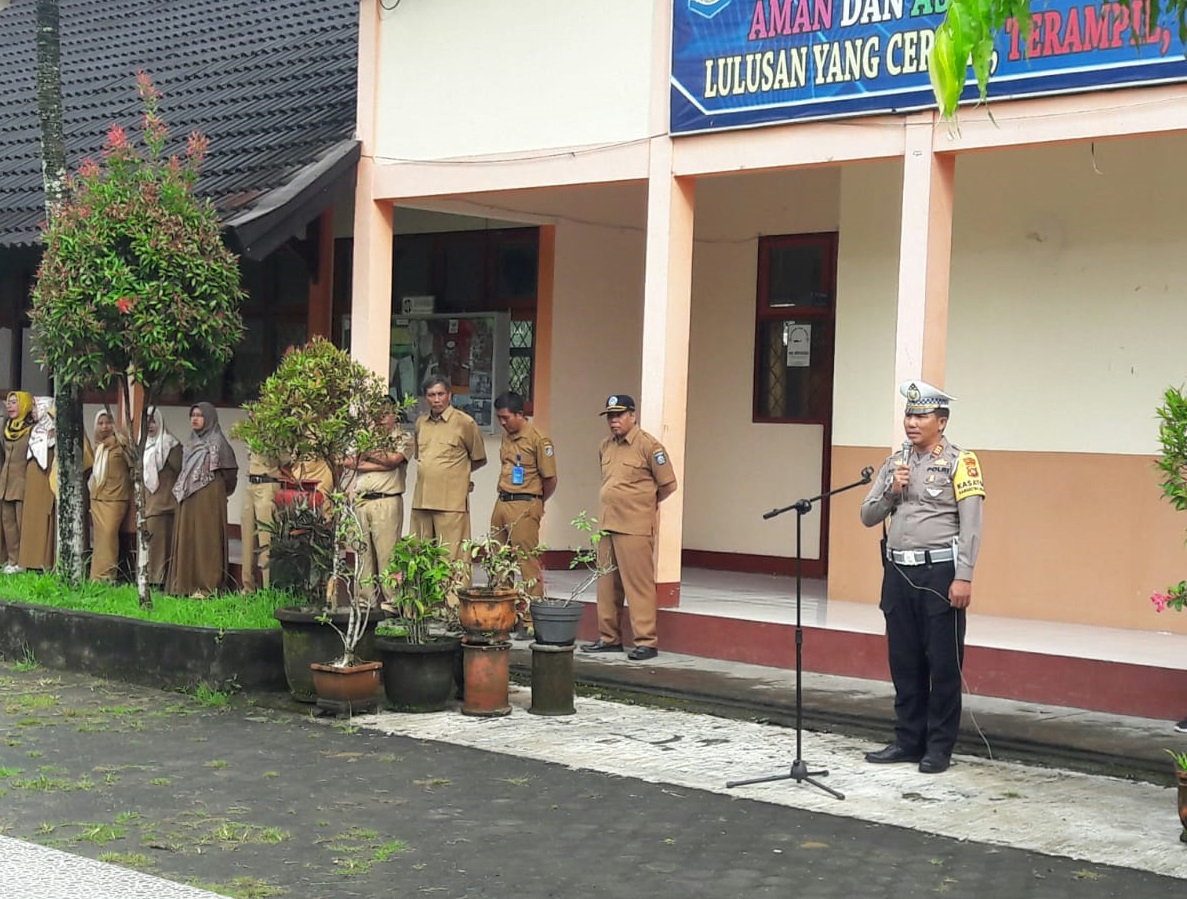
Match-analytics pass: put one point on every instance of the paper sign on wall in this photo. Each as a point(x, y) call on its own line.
point(799, 344)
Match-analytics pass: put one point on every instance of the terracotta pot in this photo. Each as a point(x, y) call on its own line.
point(488, 674)
point(307, 640)
point(1182, 775)
point(487, 616)
point(353, 689)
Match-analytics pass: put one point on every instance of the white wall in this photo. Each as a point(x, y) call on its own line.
point(1067, 313)
point(735, 469)
point(867, 296)
point(471, 77)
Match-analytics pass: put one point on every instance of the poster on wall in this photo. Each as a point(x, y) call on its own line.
point(738, 63)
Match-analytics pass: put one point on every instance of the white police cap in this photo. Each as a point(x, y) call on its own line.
point(922, 398)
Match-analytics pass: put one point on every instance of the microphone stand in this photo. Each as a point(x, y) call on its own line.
point(799, 768)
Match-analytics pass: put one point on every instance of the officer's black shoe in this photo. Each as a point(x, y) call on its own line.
point(601, 646)
point(934, 764)
point(891, 754)
point(642, 653)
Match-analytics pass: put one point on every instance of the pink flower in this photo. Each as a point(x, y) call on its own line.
point(117, 138)
point(125, 304)
point(1160, 601)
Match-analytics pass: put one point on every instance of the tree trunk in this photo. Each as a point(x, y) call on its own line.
point(140, 496)
point(70, 484)
point(67, 399)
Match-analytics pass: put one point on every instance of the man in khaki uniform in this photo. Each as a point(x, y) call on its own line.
point(449, 449)
point(379, 501)
point(263, 478)
point(526, 480)
point(637, 476)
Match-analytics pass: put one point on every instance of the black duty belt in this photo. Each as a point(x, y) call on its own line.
point(517, 497)
point(381, 495)
point(261, 479)
point(920, 556)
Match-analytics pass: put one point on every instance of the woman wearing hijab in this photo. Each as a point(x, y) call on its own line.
point(208, 475)
point(18, 424)
point(111, 492)
point(37, 518)
point(162, 464)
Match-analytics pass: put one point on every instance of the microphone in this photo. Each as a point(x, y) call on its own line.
point(907, 446)
point(867, 474)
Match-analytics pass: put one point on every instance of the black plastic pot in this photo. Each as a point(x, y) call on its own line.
point(308, 641)
point(418, 677)
point(556, 625)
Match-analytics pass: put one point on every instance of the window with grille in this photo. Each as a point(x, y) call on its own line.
point(478, 271)
point(793, 347)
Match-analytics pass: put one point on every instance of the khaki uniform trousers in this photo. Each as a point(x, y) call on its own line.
point(633, 580)
point(518, 524)
point(451, 528)
point(106, 518)
point(10, 520)
point(258, 505)
point(382, 521)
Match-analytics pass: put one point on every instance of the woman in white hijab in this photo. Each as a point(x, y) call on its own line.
point(37, 516)
point(111, 492)
point(162, 465)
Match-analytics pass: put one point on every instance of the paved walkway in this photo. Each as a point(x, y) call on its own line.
point(256, 800)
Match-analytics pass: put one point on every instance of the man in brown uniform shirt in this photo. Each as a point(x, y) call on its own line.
point(263, 479)
point(449, 449)
point(527, 479)
point(379, 501)
point(636, 477)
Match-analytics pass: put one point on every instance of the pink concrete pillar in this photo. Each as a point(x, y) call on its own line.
point(667, 303)
point(925, 259)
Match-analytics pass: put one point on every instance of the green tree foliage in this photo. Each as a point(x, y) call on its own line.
point(1172, 467)
point(135, 285)
point(966, 36)
point(318, 404)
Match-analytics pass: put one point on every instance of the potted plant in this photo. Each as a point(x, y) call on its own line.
point(322, 405)
point(487, 612)
point(1180, 760)
point(556, 619)
point(418, 664)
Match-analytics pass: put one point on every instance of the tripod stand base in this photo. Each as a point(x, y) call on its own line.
point(799, 773)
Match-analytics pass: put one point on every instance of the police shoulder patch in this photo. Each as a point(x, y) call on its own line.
point(661, 458)
point(966, 480)
point(548, 449)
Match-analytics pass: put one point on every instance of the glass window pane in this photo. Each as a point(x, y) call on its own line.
point(412, 273)
point(517, 262)
point(795, 276)
point(465, 277)
point(794, 369)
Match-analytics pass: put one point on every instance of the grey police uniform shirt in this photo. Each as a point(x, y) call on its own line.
point(929, 515)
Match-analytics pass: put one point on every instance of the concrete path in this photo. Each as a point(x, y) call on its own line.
point(257, 799)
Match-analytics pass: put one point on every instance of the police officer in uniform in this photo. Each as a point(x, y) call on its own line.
point(933, 493)
point(636, 477)
point(527, 478)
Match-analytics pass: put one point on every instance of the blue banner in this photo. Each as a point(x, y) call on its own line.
point(737, 63)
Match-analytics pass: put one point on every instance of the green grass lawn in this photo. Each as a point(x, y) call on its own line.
point(227, 611)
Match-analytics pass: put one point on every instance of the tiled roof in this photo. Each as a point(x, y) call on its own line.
point(270, 82)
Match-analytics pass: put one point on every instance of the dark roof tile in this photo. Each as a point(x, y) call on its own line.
point(271, 82)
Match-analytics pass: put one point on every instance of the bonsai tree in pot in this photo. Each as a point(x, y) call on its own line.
point(487, 611)
point(556, 618)
point(418, 660)
point(322, 405)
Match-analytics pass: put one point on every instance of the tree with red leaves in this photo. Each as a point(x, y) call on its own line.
point(136, 286)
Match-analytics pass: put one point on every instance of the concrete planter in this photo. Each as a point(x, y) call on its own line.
point(169, 656)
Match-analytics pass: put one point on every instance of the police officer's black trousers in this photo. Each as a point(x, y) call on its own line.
point(925, 638)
